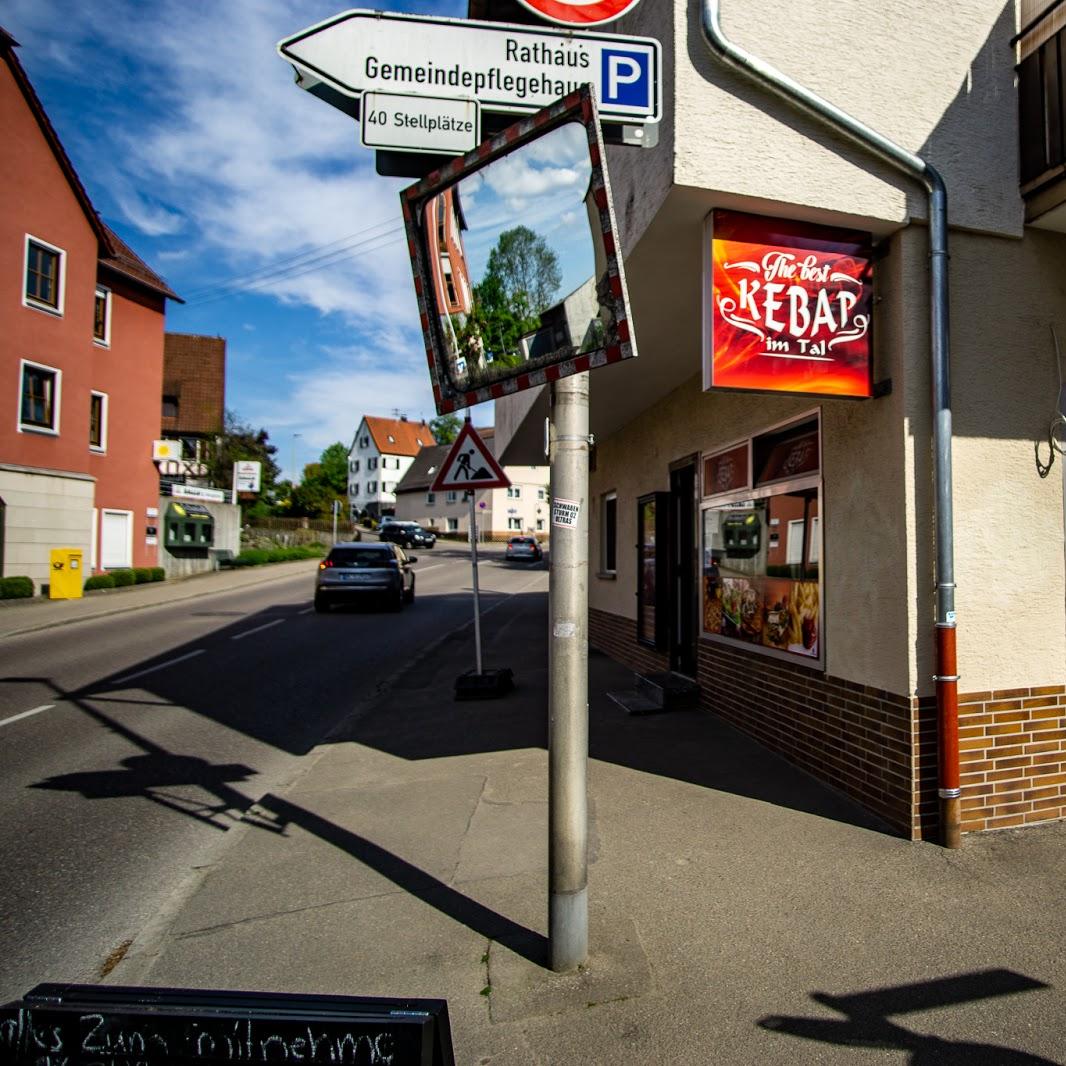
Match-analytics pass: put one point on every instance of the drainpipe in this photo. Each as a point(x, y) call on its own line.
point(946, 676)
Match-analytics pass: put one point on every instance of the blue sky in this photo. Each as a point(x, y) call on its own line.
point(198, 149)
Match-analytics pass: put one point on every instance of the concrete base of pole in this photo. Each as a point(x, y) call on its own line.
point(568, 929)
point(951, 822)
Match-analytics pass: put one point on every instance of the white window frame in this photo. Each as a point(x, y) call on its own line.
point(61, 277)
point(102, 446)
point(27, 427)
point(452, 496)
point(431, 498)
point(514, 492)
point(453, 525)
point(105, 341)
point(514, 524)
point(371, 487)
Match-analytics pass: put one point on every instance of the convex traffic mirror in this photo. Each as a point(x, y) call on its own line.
point(515, 259)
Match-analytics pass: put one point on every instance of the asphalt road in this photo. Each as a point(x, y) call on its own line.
point(131, 745)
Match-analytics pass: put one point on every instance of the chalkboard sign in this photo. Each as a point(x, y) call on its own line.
point(97, 1025)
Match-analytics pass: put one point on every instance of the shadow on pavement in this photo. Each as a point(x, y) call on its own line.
point(867, 1021)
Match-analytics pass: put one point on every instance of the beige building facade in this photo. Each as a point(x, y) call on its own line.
point(852, 698)
point(523, 508)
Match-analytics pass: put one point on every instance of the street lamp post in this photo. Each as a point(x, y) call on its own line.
point(293, 479)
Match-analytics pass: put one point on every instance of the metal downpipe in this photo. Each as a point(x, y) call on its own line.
point(914, 166)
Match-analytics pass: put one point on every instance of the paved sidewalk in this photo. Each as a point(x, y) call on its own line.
point(30, 615)
point(740, 912)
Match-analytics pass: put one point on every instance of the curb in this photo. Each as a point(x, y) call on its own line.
point(107, 612)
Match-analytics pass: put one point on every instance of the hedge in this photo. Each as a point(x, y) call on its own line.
point(99, 581)
point(141, 575)
point(158, 573)
point(15, 588)
point(123, 577)
point(259, 556)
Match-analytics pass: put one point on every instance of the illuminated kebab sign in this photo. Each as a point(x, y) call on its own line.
point(787, 307)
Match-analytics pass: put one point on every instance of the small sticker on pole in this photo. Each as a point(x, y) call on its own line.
point(565, 513)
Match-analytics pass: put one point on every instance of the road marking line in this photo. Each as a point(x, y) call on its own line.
point(159, 666)
point(306, 610)
point(423, 569)
point(26, 714)
point(258, 629)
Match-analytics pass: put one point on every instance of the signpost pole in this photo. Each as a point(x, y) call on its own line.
point(473, 567)
point(568, 679)
point(477, 594)
point(336, 508)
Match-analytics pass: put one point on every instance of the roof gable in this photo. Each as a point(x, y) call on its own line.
point(114, 253)
point(397, 436)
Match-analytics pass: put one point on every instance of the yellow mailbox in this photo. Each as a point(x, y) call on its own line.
point(67, 577)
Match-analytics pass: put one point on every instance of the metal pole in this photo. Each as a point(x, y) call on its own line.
point(336, 511)
point(477, 594)
point(568, 733)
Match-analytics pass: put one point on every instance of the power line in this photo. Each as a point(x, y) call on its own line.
point(333, 259)
point(293, 262)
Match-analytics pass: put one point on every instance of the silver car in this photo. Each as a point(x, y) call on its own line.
point(354, 572)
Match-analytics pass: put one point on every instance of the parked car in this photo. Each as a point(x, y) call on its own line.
point(358, 571)
point(524, 548)
point(408, 535)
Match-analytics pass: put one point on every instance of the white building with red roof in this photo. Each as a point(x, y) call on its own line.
point(381, 453)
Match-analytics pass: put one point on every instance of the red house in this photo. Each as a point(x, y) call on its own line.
point(81, 359)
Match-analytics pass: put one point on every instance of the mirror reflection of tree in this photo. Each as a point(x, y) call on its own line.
point(521, 280)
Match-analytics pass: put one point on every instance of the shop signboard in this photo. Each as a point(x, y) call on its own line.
point(788, 307)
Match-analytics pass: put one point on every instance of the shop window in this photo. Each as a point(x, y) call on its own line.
point(652, 512)
point(609, 534)
point(761, 550)
point(39, 406)
point(44, 276)
point(102, 317)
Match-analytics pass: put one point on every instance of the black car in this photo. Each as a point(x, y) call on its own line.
point(355, 572)
point(407, 535)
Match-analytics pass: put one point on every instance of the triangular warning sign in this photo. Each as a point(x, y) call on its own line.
point(470, 465)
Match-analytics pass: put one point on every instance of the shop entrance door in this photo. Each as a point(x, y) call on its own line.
point(683, 588)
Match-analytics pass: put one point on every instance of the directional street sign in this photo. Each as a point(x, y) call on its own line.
point(579, 12)
point(470, 465)
point(419, 123)
point(509, 69)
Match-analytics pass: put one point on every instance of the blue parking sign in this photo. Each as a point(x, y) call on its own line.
point(625, 78)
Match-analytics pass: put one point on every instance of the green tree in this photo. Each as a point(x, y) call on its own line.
point(526, 268)
point(445, 428)
point(333, 464)
point(239, 440)
point(322, 483)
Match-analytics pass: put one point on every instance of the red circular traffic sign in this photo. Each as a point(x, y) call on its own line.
point(579, 12)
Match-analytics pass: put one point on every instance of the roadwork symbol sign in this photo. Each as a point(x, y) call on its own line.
point(470, 465)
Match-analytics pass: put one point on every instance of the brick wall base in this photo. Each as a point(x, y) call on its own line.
point(880, 747)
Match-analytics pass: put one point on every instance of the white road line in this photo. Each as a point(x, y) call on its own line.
point(258, 629)
point(159, 666)
point(423, 569)
point(306, 610)
point(26, 714)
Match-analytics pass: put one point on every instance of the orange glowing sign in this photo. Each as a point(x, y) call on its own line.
point(790, 307)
